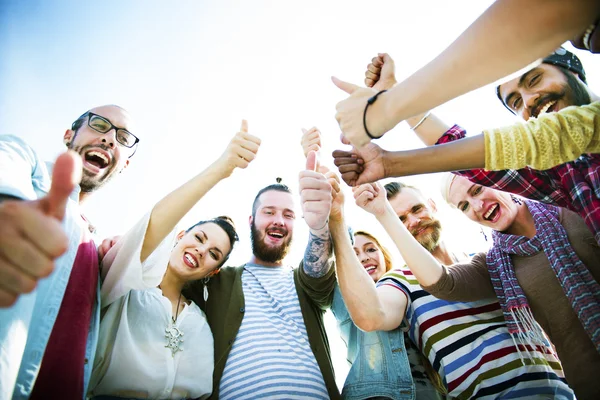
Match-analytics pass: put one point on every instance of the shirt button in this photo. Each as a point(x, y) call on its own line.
point(242, 309)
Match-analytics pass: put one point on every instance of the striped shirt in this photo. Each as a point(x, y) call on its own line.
point(470, 347)
point(271, 356)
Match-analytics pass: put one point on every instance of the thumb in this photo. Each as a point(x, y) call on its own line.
point(244, 127)
point(66, 174)
point(312, 163)
point(345, 86)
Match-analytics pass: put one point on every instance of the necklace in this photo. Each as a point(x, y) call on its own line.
point(173, 333)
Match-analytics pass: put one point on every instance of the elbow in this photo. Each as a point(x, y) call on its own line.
point(369, 323)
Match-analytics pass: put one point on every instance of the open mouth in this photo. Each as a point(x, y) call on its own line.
point(370, 269)
point(276, 234)
point(190, 260)
point(96, 160)
point(546, 108)
point(492, 212)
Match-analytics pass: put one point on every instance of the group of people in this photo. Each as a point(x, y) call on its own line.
point(154, 313)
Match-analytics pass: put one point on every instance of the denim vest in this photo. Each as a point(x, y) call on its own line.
point(380, 366)
point(25, 327)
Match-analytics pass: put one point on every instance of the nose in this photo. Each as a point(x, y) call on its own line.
point(109, 138)
point(201, 251)
point(363, 257)
point(412, 221)
point(278, 219)
point(477, 206)
point(529, 102)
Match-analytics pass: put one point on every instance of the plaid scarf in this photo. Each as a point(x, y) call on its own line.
point(578, 284)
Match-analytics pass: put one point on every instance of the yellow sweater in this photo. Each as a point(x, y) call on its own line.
point(544, 142)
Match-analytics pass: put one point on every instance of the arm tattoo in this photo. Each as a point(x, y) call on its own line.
point(317, 254)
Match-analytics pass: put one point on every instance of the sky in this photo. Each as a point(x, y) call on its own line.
point(190, 71)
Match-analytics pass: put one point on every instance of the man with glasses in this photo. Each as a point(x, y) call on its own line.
point(49, 304)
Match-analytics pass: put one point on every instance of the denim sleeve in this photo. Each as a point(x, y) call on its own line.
point(21, 170)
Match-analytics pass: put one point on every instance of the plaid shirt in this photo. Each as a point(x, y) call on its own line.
point(574, 185)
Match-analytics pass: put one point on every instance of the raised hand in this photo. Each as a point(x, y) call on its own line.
point(371, 197)
point(350, 114)
point(315, 194)
point(241, 150)
point(361, 166)
point(311, 140)
point(31, 235)
point(380, 73)
point(337, 205)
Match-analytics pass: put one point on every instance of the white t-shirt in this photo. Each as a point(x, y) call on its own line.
point(132, 359)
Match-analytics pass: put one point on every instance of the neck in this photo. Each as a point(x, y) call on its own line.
point(258, 261)
point(442, 254)
point(523, 225)
point(83, 196)
point(593, 96)
point(171, 285)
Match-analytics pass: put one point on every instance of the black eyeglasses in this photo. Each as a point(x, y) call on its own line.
point(103, 125)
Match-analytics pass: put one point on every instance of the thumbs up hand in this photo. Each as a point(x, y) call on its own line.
point(31, 235)
point(240, 152)
point(351, 111)
point(315, 194)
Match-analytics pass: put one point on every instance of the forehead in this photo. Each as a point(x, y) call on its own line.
point(459, 190)
point(276, 199)
point(361, 240)
point(407, 199)
point(118, 116)
point(215, 234)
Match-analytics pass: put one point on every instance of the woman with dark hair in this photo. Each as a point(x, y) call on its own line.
point(153, 342)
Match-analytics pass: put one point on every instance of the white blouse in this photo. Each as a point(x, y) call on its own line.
point(132, 359)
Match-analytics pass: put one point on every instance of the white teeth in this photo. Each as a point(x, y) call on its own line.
point(544, 109)
point(191, 260)
point(100, 155)
point(278, 235)
point(490, 211)
point(370, 268)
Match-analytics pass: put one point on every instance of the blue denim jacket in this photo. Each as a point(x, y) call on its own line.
point(380, 366)
point(25, 327)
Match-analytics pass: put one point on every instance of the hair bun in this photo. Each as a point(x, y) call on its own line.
point(278, 179)
point(226, 219)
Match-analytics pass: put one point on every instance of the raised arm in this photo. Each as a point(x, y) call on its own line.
point(168, 212)
point(370, 308)
point(316, 198)
point(507, 37)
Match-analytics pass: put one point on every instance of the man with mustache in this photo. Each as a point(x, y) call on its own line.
point(49, 306)
point(552, 87)
point(466, 342)
point(267, 317)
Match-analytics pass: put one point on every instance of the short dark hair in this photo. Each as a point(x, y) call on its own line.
point(277, 187)
point(392, 189)
point(225, 223)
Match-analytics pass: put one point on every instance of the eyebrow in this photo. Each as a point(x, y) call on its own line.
point(276, 208)
point(216, 248)
point(521, 83)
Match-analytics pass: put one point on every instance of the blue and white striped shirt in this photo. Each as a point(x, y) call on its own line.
point(271, 356)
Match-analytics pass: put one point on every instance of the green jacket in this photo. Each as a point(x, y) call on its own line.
point(225, 310)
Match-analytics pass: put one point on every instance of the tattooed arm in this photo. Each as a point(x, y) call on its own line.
point(318, 252)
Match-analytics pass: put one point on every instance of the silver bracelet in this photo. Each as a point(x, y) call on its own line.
point(421, 121)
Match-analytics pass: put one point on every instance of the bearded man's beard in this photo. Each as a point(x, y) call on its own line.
point(266, 253)
point(575, 91)
point(430, 239)
point(91, 182)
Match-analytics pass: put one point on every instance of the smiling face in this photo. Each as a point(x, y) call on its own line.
point(486, 206)
point(417, 215)
point(370, 256)
point(543, 89)
point(272, 226)
point(199, 252)
point(103, 157)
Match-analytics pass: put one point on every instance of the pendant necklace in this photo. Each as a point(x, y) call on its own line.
point(173, 333)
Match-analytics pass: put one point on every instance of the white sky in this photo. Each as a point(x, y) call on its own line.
point(190, 71)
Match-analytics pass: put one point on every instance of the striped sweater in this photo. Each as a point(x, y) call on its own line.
point(470, 347)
